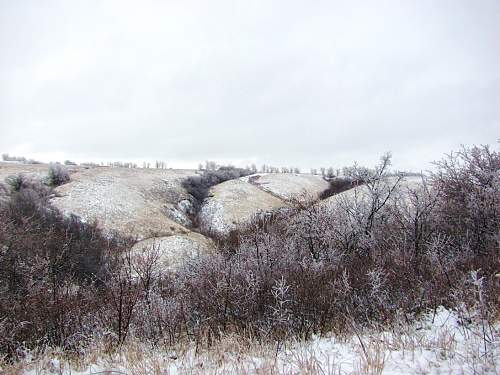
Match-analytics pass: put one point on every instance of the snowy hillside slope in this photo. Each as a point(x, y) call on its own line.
point(133, 202)
point(172, 251)
point(288, 185)
point(234, 202)
point(12, 168)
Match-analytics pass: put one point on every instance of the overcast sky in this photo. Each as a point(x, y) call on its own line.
point(302, 83)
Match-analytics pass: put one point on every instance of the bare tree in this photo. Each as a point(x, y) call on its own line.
point(124, 295)
point(211, 165)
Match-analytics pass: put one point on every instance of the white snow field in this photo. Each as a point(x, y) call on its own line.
point(133, 202)
point(234, 202)
point(289, 185)
point(437, 344)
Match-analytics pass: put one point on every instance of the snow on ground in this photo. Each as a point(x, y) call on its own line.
point(133, 202)
point(13, 168)
point(237, 201)
point(360, 192)
point(288, 185)
point(234, 202)
point(144, 203)
point(172, 251)
point(436, 344)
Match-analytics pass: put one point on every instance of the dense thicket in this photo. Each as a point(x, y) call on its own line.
point(51, 269)
point(389, 250)
point(339, 185)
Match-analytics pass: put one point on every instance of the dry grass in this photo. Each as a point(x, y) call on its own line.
point(420, 348)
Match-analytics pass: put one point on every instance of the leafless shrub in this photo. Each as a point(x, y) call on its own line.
point(51, 270)
point(58, 174)
point(380, 251)
point(21, 182)
point(468, 182)
point(124, 293)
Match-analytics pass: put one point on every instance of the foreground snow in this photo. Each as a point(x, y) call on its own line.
point(438, 344)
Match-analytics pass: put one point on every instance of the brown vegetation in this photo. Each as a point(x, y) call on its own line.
point(309, 269)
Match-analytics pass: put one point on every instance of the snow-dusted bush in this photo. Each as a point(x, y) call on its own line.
point(16, 182)
point(468, 182)
point(58, 174)
point(19, 182)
